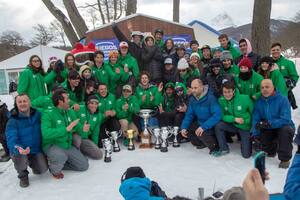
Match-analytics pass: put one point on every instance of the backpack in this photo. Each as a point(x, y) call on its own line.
point(156, 190)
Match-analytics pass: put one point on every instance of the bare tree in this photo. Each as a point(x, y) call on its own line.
point(58, 32)
point(176, 5)
point(65, 22)
point(131, 7)
point(43, 35)
point(12, 38)
point(92, 17)
point(75, 17)
point(260, 34)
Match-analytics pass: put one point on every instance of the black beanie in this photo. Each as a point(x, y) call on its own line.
point(267, 59)
point(194, 42)
point(132, 172)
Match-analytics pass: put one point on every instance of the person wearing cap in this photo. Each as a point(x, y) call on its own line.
point(134, 45)
point(107, 106)
point(184, 74)
point(288, 71)
point(246, 51)
point(43, 103)
point(51, 62)
point(194, 45)
point(167, 106)
point(201, 117)
point(58, 126)
point(170, 71)
point(206, 56)
point(31, 79)
point(129, 63)
point(126, 107)
point(169, 50)
point(87, 137)
point(272, 122)
point(228, 66)
point(117, 75)
point(98, 70)
point(74, 90)
point(269, 70)
point(217, 77)
point(153, 59)
point(248, 81)
point(158, 35)
point(225, 44)
point(180, 53)
point(236, 119)
point(217, 52)
point(196, 66)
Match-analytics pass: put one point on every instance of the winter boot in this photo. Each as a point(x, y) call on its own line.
point(220, 153)
point(24, 182)
point(284, 164)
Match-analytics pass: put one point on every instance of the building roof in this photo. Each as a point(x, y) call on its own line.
point(136, 15)
point(21, 60)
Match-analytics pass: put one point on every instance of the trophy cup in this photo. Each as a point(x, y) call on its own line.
point(130, 135)
point(107, 149)
point(175, 133)
point(145, 135)
point(164, 134)
point(114, 135)
point(156, 133)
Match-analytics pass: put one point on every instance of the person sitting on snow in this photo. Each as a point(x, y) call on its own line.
point(272, 121)
point(23, 133)
point(204, 107)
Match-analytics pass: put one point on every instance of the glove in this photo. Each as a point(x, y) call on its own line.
point(264, 124)
point(59, 66)
point(290, 83)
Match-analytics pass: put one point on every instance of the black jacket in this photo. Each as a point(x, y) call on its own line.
point(170, 76)
point(215, 82)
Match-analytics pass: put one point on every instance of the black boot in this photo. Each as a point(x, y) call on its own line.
point(24, 182)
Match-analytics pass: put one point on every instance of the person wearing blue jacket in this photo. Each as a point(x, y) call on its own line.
point(23, 132)
point(203, 106)
point(272, 122)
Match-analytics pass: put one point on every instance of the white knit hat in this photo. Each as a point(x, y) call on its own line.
point(195, 54)
point(182, 64)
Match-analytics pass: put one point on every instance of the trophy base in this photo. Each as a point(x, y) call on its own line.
point(117, 150)
point(131, 148)
point(164, 149)
point(157, 146)
point(146, 146)
point(176, 145)
point(107, 159)
point(146, 141)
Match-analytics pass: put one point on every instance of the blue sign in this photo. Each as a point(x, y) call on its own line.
point(179, 39)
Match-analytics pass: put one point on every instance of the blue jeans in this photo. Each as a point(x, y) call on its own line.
point(220, 131)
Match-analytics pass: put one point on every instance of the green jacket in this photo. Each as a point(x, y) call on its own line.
point(168, 103)
point(279, 82)
point(131, 63)
point(115, 79)
point(50, 78)
point(235, 52)
point(152, 90)
point(250, 87)
point(287, 68)
point(133, 108)
point(32, 84)
point(240, 106)
point(234, 70)
point(106, 103)
point(160, 44)
point(54, 128)
point(72, 94)
point(94, 120)
point(100, 74)
point(43, 103)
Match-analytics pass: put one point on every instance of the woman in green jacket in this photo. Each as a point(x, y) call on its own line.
point(269, 70)
point(31, 80)
point(98, 70)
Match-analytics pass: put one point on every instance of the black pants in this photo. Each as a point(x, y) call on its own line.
point(170, 118)
point(4, 143)
point(207, 138)
point(278, 140)
point(110, 124)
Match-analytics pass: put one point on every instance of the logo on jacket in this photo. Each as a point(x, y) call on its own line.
point(239, 107)
point(82, 115)
point(95, 119)
point(282, 67)
point(59, 121)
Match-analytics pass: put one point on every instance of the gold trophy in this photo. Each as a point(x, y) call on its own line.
point(130, 135)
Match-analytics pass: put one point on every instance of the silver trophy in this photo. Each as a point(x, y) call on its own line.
point(145, 136)
point(175, 131)
point(115, 135)
point(156, 133)
point(164, 134)
point(107, 149)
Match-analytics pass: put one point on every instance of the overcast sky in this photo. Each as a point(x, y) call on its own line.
point(21, 15)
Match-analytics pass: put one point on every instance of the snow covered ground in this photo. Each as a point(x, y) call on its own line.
point(179, 172)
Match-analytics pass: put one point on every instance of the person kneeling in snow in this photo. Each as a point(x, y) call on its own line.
point(136, 186)
point(23, 132)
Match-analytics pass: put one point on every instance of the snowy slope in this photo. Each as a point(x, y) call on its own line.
point(180, 172)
